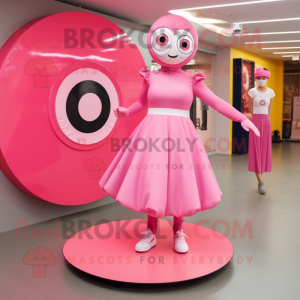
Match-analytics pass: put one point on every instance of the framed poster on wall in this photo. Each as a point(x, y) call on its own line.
point(291, 90)
point(243, 81)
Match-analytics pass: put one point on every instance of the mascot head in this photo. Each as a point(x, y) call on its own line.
point(172, 41)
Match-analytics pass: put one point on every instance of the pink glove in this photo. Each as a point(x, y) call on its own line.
point(121, 112)
point(247, 124)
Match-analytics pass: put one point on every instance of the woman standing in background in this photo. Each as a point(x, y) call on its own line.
point(260, 148)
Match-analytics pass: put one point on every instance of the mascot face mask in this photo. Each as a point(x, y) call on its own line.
point(172, 41)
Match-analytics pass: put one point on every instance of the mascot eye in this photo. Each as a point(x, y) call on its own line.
point(161, 41)
point(184, 43)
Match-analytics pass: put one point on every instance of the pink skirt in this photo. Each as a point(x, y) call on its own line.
point(260, 148)
point(147, 178)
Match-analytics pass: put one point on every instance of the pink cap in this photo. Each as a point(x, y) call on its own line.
point(260, 72)
point(173, 23)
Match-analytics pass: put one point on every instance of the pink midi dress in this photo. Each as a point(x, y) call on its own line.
point(165, 171)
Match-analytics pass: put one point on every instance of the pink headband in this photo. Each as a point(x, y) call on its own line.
point(260, 72)
point(174, 23)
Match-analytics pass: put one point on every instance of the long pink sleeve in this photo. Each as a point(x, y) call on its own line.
point(139, 105)
point(205, 94)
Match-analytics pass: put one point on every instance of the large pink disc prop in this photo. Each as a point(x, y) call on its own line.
point(107, 251)
point(60, 78)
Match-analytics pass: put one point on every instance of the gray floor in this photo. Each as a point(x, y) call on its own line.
point(273, 272)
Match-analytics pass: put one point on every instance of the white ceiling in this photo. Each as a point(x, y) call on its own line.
point(145, 12)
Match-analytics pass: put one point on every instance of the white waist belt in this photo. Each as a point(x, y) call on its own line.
point(169, 111)
point(260, 110)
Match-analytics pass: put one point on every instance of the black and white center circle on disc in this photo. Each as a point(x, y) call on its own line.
point(88, 106)
point(83, 106)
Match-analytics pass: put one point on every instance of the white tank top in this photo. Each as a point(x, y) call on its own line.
point(261, 100)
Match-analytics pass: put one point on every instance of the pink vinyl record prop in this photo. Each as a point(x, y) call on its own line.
point(60, 78)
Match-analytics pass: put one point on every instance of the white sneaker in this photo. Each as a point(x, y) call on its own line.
point(147, 242)
point(261, 187)
point(180, 244)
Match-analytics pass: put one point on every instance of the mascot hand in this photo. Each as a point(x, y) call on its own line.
point(247, 124)
point(121, 112)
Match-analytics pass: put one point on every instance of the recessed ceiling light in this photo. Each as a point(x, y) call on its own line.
point(270, 42)
point(281, 48)
point(266, 21)
point(285, 52)
point(221, 14)
point(205, 22)
point(266, 33)
point(198, 20)
point(287, 55)
point(224, 5)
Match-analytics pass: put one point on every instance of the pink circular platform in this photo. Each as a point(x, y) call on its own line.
point(107, 251)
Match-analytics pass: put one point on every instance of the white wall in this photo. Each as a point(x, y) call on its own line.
point(222, 90)
point(15, 205)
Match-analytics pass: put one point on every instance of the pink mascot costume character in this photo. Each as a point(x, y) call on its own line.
point(157, 171)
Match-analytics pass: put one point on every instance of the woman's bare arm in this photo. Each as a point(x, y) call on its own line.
point(250, 101)
point(269, 109)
